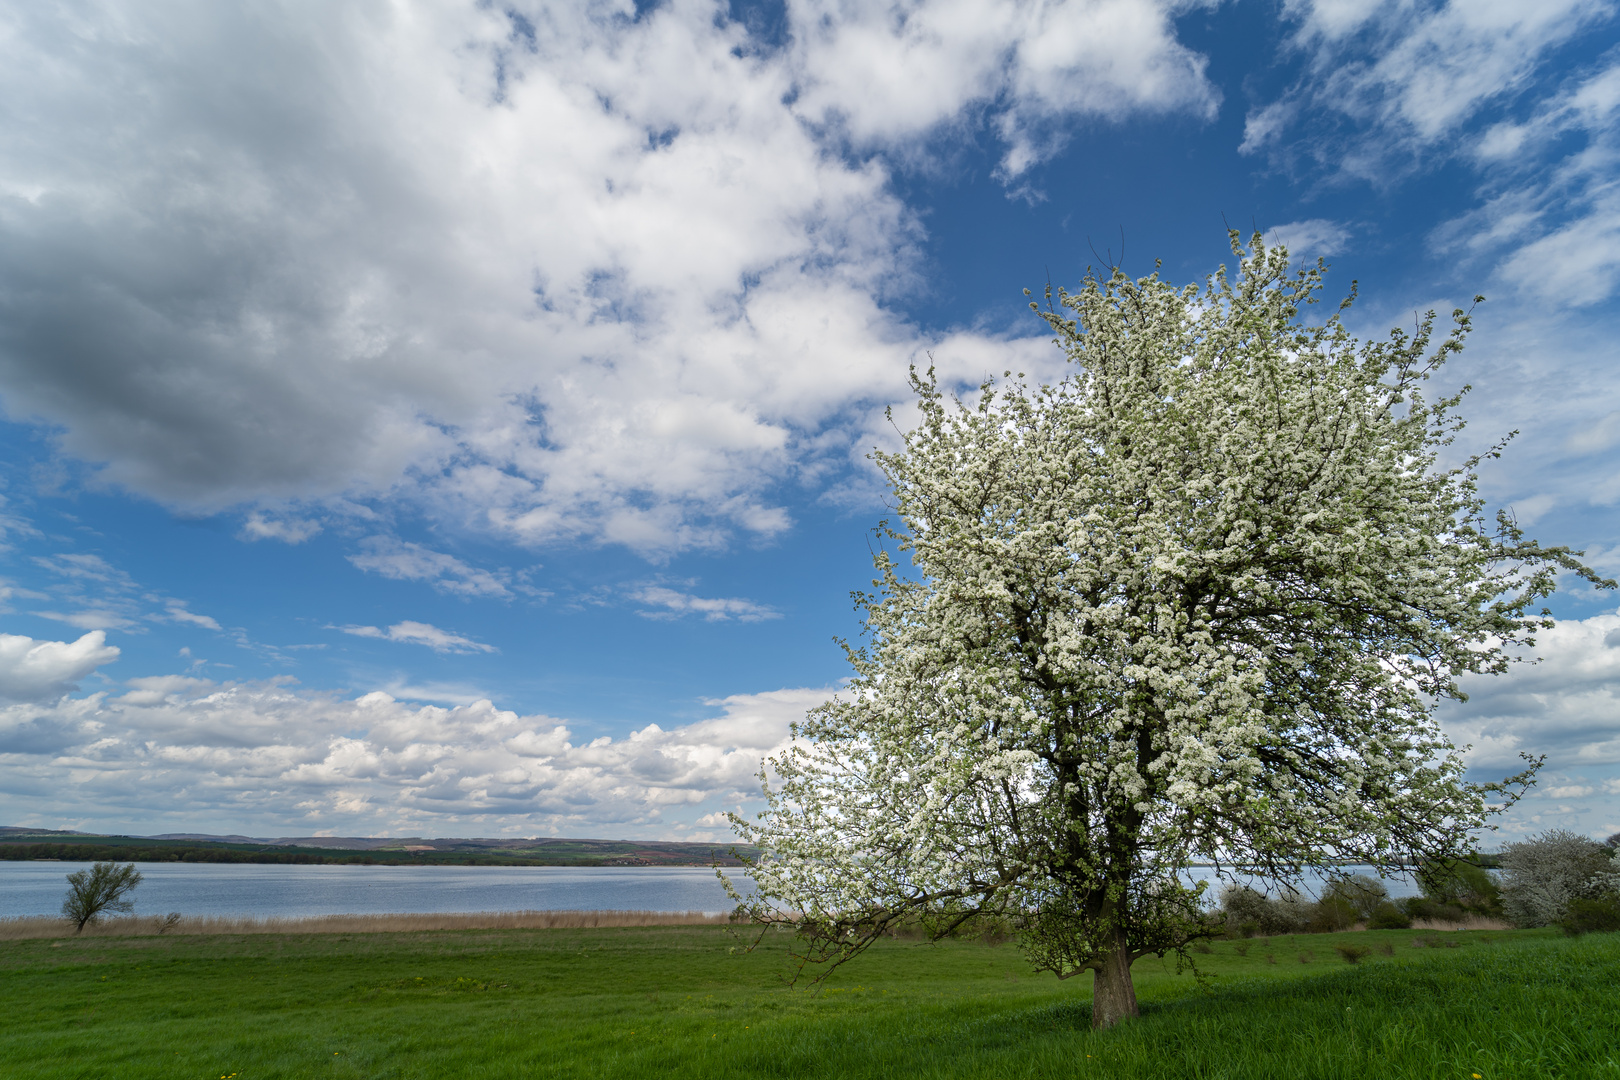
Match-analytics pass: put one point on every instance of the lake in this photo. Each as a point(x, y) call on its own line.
point(37, 888)
point(290, 891)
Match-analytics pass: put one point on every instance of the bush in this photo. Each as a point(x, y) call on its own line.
point(1352, 953)
point(1247, 912)
point(1363, 894)
point(1421, 907)
point(1592, 916)
point(1387, 916)
point(103, 887)
point(1331, 914)
point(1542, 875)
point(1458, 884)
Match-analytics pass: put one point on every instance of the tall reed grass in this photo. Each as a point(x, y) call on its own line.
point(12, 929)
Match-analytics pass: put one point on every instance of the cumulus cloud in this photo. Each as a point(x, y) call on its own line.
point(894, 71)
point(32, 670)
point(667, 603)
point(420, 633)
point(153, 690)
point(555, 271)
point(1566, 706)
point(268, 753)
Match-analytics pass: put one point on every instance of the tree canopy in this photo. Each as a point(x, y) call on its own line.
point(1195, 600)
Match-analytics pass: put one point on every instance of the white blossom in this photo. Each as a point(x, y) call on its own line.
point(1197, 599)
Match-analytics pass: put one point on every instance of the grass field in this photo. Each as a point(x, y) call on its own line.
point(675, 1001)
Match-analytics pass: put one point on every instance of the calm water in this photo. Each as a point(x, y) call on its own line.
point(1398, 885)
point(37, 888)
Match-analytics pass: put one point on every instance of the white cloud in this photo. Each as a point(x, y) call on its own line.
point(259, 526)
point(887, 72)
point(1310, 238)
point(1410, 76)
point(92, 618)
point(1597, 436)
point(177, 612)
point(1570, 791)
point(1556, 227)
point(404, 561)
point(154, 690)
point(420, 633)
point(85, 568)
point(1566, 706)
point(103, 597)
point(569, 274)
point(32, 670)
point(1576, 264)
point(1335, 19)
point(267, 754)
point(672, 603)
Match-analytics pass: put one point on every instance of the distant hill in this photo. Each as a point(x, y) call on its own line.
point(30, 843)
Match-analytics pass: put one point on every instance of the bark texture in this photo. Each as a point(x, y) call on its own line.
point(1113, 995)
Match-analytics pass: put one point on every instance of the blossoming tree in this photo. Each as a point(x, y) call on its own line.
point(1194, 601)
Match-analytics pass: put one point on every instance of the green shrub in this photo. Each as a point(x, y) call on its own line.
point(1454, 883)
point(1422, 907)
point(1599, 916)
point(1330, 914)
point(1352, 953)
point(1362, 893)
point(1247, 912)
point(1387, 916)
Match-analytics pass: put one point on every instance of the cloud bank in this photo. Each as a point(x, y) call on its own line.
point(180, 749)
point(277, 757)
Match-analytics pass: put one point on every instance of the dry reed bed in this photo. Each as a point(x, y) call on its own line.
point(1471, 922)
point(12, 929)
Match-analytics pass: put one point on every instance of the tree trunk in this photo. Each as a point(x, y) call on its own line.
point(1113, 995)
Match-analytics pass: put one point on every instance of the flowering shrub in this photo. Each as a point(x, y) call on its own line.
point(1542, 876)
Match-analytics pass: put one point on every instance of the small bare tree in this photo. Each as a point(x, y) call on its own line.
point(102, 888)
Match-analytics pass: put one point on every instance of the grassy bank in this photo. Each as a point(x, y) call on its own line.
point(674, 1001)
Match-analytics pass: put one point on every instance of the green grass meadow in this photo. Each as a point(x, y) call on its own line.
point(676, 1001)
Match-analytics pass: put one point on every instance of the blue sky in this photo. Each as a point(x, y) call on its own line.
point(452, 419)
